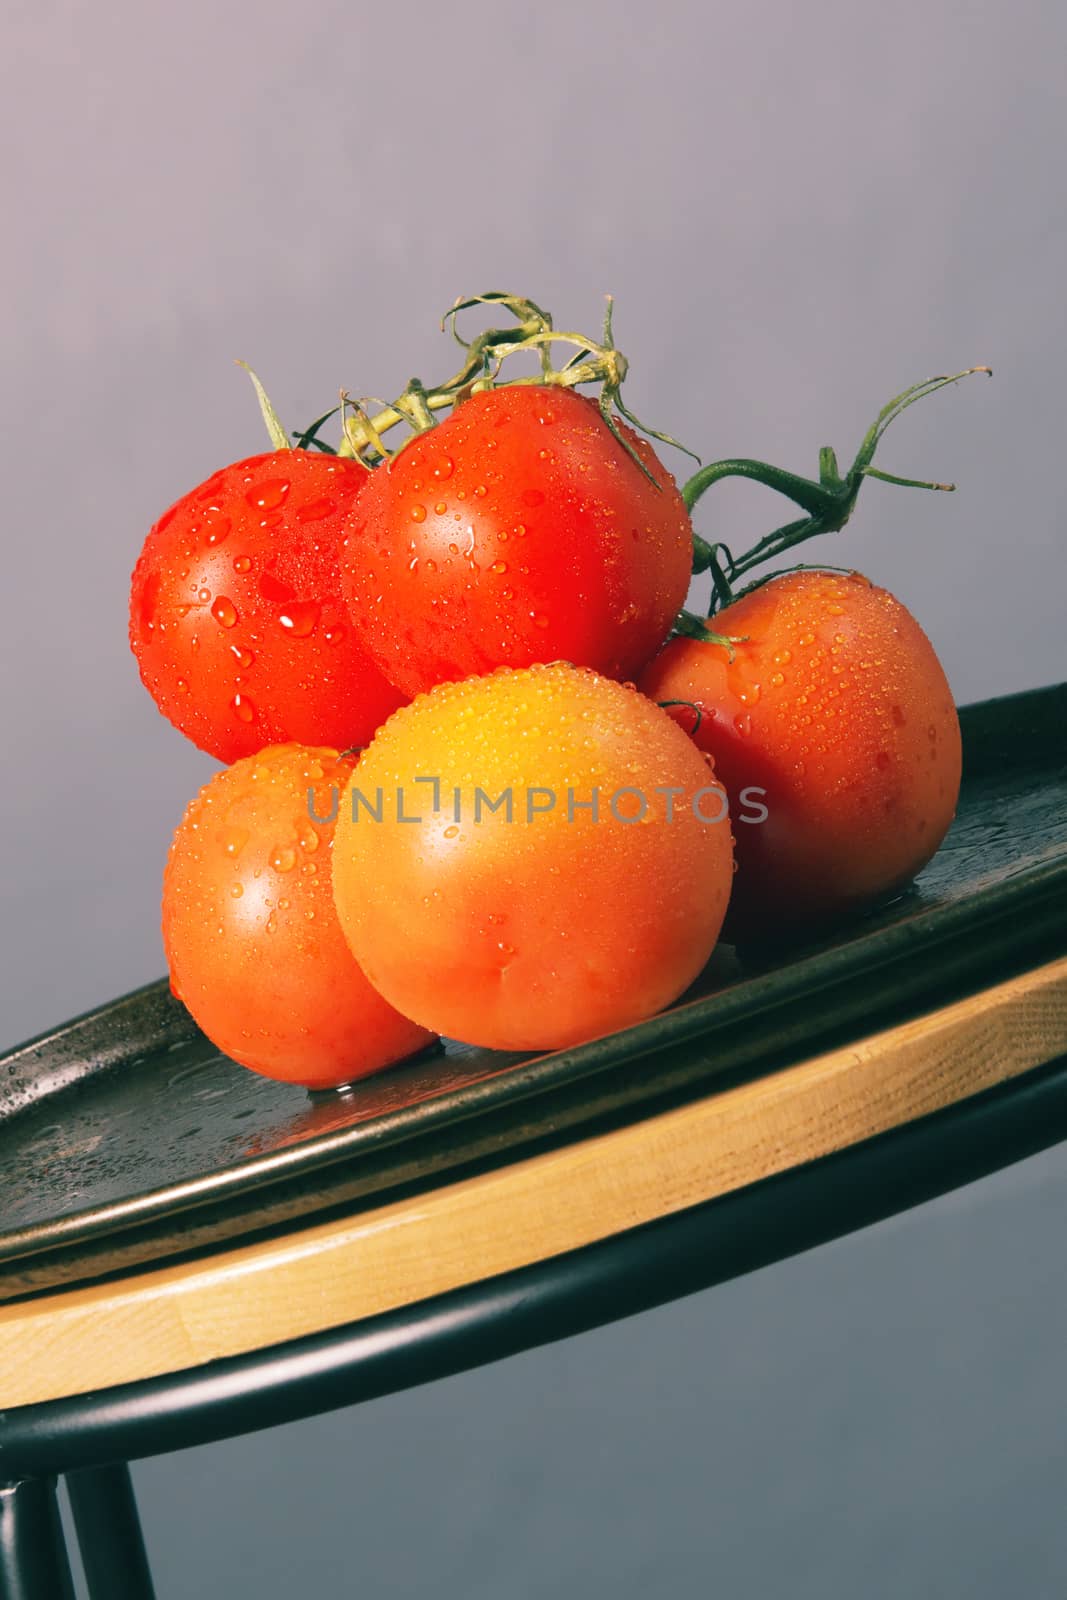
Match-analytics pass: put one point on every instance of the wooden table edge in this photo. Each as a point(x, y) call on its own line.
point(336, 1272)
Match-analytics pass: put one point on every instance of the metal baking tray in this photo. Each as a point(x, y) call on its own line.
point(127, 1139)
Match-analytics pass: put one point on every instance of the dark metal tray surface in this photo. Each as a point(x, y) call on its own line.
point(125, 1137)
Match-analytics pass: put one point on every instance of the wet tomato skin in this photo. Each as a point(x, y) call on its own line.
point(518, 530)
point(836, 708)
point(236, 616)
point(252, 940)
point(541, 928)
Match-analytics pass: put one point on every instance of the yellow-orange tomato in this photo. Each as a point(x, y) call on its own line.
point(836, 717)
point(250, 932)
point(539, 923)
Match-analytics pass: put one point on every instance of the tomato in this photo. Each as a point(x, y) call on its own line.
point(836, 717)
point(252, 940)
point(236, 616)
point(517, 530)
point(542, 922)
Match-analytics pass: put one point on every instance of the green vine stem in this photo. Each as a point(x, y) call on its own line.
point(829, 500)
point(590, 362)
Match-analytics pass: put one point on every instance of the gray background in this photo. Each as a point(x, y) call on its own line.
point(800, 209)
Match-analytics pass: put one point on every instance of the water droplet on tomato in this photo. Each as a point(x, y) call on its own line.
point(269, 495)
point(444, 467)
point(242, 708)
point(316, 510)
point(275, 589)
point(217, 529)
point(499, 566)
point(451, 832)
point(236, 890)
point(539, 619)
point(481, 491)
point(203, 595)
point(418, 513)
point(234, 841)
point(181, 686)
point(300, 617)
point(245, 657)
point(283, 859)
point(431, 566)
point(335, 634)
point(224, 611)
point(441, 507)
point(242, 563)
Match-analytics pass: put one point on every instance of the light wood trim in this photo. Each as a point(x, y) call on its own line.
point(332, 1273)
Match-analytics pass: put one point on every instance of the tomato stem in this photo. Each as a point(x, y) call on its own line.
point(690, 705)
point(814, 497)
point(828, 500)
point(589, 363)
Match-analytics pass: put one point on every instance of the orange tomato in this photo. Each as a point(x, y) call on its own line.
point(251, 936)
point(836, 717)
point(542, 922)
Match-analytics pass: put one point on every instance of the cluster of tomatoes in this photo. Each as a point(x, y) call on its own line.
point(485, 778)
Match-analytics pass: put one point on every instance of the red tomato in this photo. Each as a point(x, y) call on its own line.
point(236, 616)
point(836, 717)
point(251, 935)
point(518, 530)
point(536, 924)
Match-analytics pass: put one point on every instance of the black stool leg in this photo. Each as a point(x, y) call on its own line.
point(109, 1533)
point(33, 1556)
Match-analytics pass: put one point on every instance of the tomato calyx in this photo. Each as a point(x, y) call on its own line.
point(828, 500)
point(278, 436)
point(688, 625)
